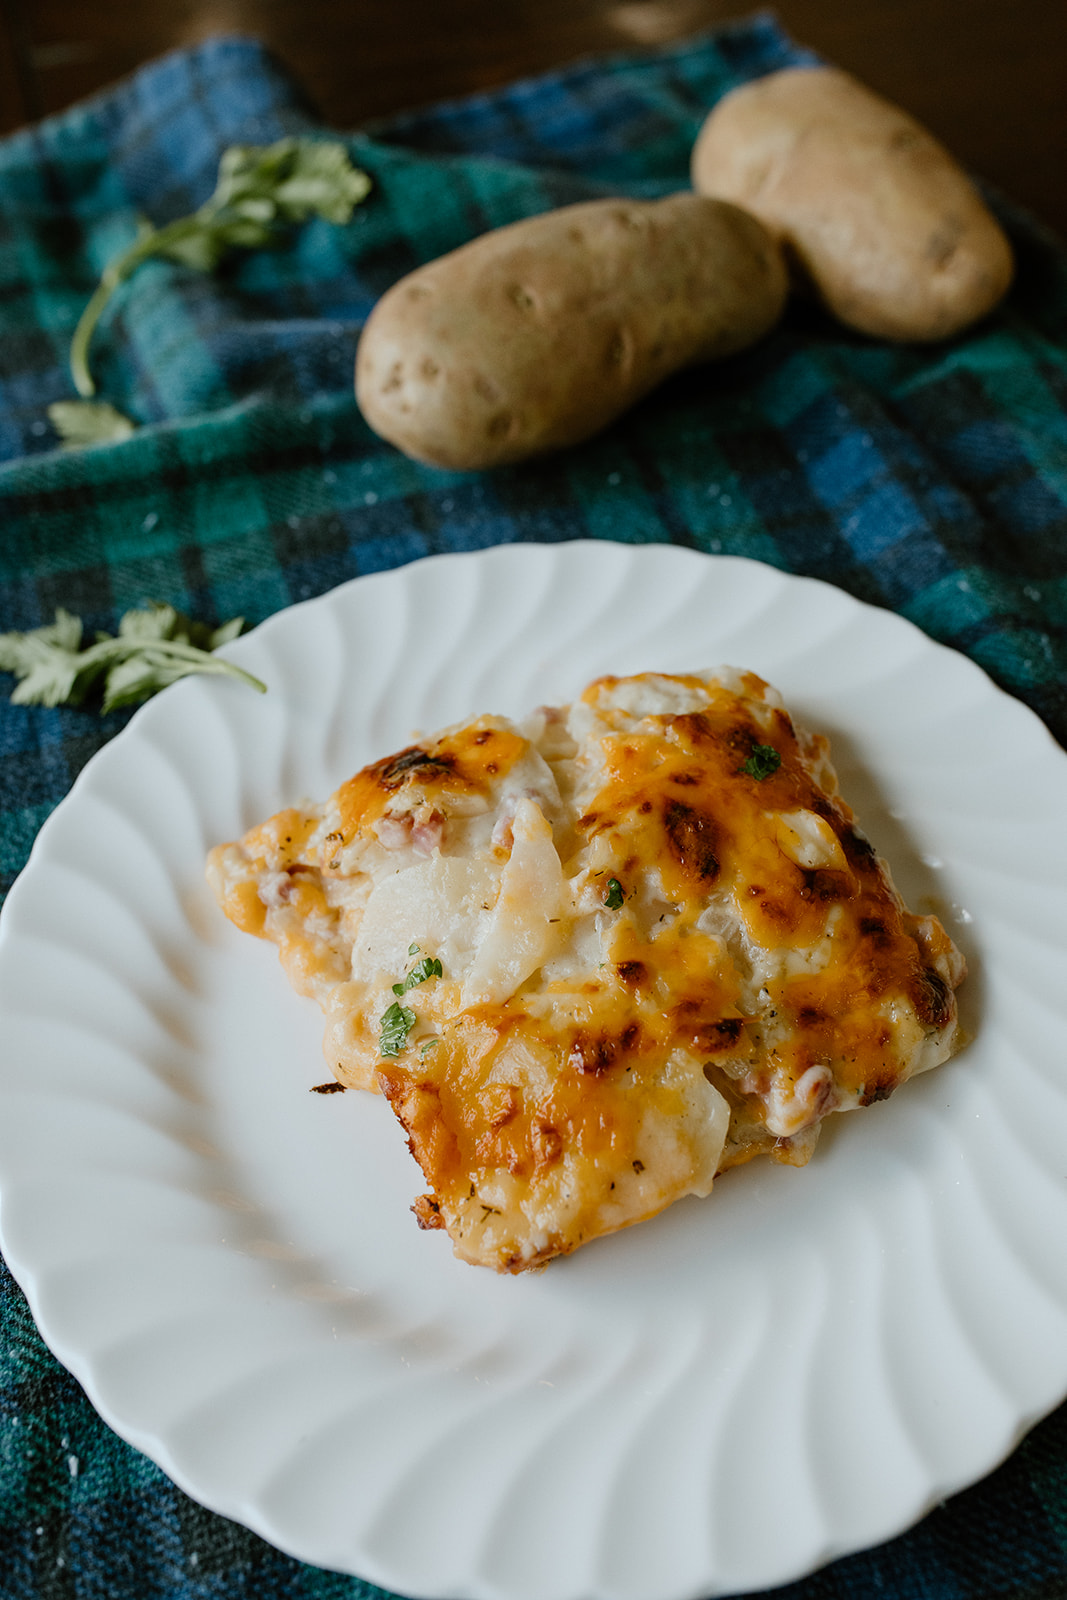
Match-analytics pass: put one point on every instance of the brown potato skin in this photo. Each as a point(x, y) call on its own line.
point(539, 334)
point(888, 227)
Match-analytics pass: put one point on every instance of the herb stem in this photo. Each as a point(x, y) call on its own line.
point(116, 272)
point(149, 242)
point(111, 651)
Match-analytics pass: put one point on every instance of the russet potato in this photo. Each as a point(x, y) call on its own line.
point(537, 335)
point(888, 228)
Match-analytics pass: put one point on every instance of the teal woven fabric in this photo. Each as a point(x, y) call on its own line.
point(930, 481)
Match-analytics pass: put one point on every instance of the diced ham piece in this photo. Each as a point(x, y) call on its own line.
point(409, 831)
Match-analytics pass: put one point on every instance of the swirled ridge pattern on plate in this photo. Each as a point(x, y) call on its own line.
point(720, 1399)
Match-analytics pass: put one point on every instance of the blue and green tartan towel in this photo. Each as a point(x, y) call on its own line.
point(931, 481)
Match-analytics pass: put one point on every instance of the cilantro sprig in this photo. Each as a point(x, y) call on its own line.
point(613, 895)
point(154, 647)
point(763, 761)
point(261, 190)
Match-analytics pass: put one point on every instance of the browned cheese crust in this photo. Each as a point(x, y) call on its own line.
point(664, 947)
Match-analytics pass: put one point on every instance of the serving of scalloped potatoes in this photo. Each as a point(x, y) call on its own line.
point(597, 957)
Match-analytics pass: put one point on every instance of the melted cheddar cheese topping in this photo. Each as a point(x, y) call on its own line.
point(654, 944)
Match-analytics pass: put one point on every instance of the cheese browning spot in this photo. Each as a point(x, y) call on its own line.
point(692, 836)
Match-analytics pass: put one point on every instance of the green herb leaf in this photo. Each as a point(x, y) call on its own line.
point(428, 967)
point(396, 1023)
point(202, 251)
point(153, 648)
point(763, 761)
point(157, 621)
point(46, 661)
point(138, 678)
point(427, 1046)
point(261, 190)
point(413, 949)
point(613, 895)
point(216, 636)
point(82, 422)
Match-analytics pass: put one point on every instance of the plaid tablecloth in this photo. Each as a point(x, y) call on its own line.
point(931, 481)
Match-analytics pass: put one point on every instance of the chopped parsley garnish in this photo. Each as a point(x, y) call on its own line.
point(428, 967)
point(763, 761)
point(428, 1045)
point(613, 895)
point(397, 1023)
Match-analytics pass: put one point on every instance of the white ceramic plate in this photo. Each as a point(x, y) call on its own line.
point(720, 1399)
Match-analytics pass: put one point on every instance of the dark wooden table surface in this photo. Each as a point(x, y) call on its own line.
point(988, 76)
